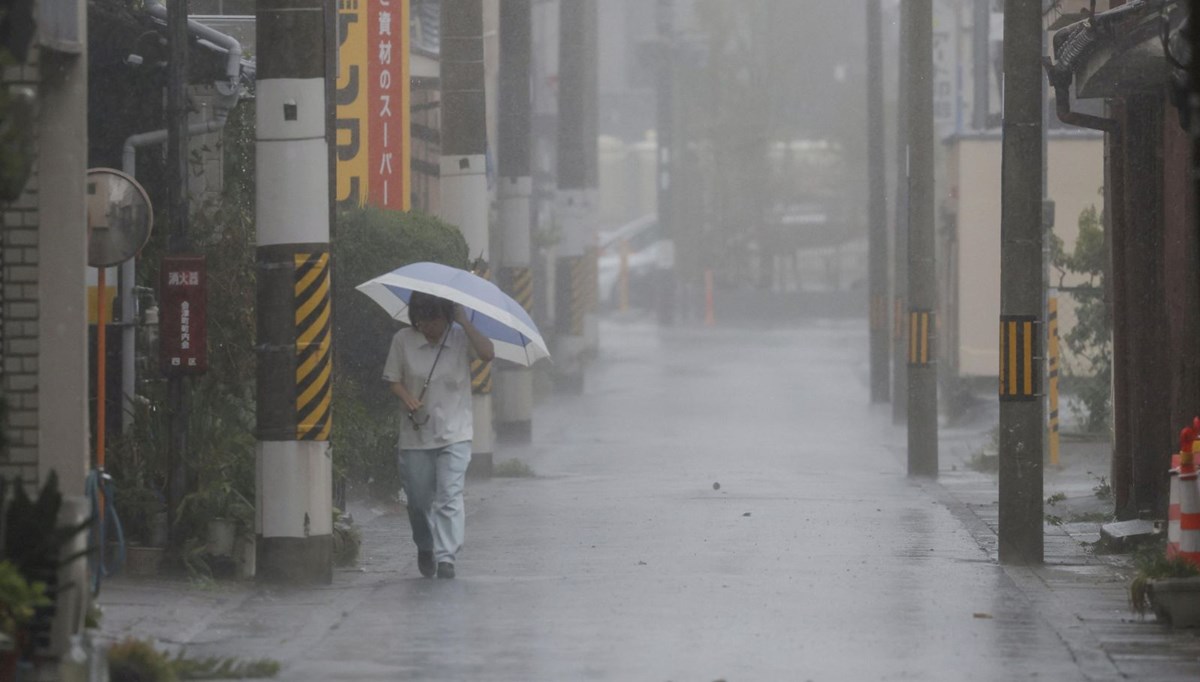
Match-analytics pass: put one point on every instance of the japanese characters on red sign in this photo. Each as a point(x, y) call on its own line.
point(387, 51)
point(182, 330)
point(373, 116)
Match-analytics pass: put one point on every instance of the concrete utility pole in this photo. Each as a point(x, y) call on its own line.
point(878, 238)
point(922, 277)
point(899, 310)
point(514, 410)
point(464, 177)
point(981, 36)
point(295, 494)
point(591, 154)
point(664, 134)
point(1021, 235)
point(177, 242)
point(1194, 103)
point(574, 206)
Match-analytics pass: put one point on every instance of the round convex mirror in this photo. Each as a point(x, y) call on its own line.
point(119, 216)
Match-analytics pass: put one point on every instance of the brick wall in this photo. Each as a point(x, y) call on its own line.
point(19, 313)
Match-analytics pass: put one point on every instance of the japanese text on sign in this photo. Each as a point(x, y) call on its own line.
point(182, 330)
point(373, 104)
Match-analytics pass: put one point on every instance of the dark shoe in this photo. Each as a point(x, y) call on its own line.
point(445, 570)
point(425, 562)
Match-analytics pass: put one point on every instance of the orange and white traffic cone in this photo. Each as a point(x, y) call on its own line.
point(1186, 436)
point(1189, 507)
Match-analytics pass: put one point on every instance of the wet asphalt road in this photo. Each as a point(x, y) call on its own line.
point(817, 559)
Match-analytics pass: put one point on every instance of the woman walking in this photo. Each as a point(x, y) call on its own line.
point(429, 369)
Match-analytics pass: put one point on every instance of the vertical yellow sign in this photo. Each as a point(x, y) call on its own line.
point(353, 130)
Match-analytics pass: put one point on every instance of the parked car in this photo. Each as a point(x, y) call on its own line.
point(651, 254)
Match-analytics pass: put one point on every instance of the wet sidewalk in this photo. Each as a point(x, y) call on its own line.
point(717, 505)
point(1082, 592)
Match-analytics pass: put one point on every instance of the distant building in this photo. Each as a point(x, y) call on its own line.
point(968, 41)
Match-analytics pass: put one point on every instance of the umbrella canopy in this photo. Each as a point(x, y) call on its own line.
point(494, 313)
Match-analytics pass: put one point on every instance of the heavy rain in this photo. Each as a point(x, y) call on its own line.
point(554, 340)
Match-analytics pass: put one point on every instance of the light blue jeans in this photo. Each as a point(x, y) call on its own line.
point(433, 480)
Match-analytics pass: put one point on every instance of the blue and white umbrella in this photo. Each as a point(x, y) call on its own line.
point(494, 313)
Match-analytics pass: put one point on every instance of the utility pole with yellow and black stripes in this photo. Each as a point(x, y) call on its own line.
point(464, 191)
point(1021, 235)
point(294, 493)
point(514, 386)
point(922, 277)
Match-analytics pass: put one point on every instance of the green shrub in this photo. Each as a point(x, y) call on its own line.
point(1152, 564)
point(136, 660)
point(19, 600)
point(1090, 341)
point(347, 540)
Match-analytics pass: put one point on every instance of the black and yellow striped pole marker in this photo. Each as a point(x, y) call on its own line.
point(922, 333)
point(514, 385)
point(1052, 376)
point(579, 301)
point(571, 304)
point(899, 358)
point(314, 366)
point(517, 281)
point(1019, 358)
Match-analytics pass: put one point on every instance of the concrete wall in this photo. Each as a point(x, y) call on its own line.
point(973, 287)
point(43, 236)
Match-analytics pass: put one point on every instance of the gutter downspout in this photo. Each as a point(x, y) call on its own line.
point(230, 92)
point(1062, 101)
point(233, 66)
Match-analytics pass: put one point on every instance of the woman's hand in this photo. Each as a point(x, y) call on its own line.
point(410, 401)
point(484, 349)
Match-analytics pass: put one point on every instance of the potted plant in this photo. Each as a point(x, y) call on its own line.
point(222, 511)
point(139, 509)
point(1168, 586)
point(136, 460)
point(19, 602)
point(36, 558)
